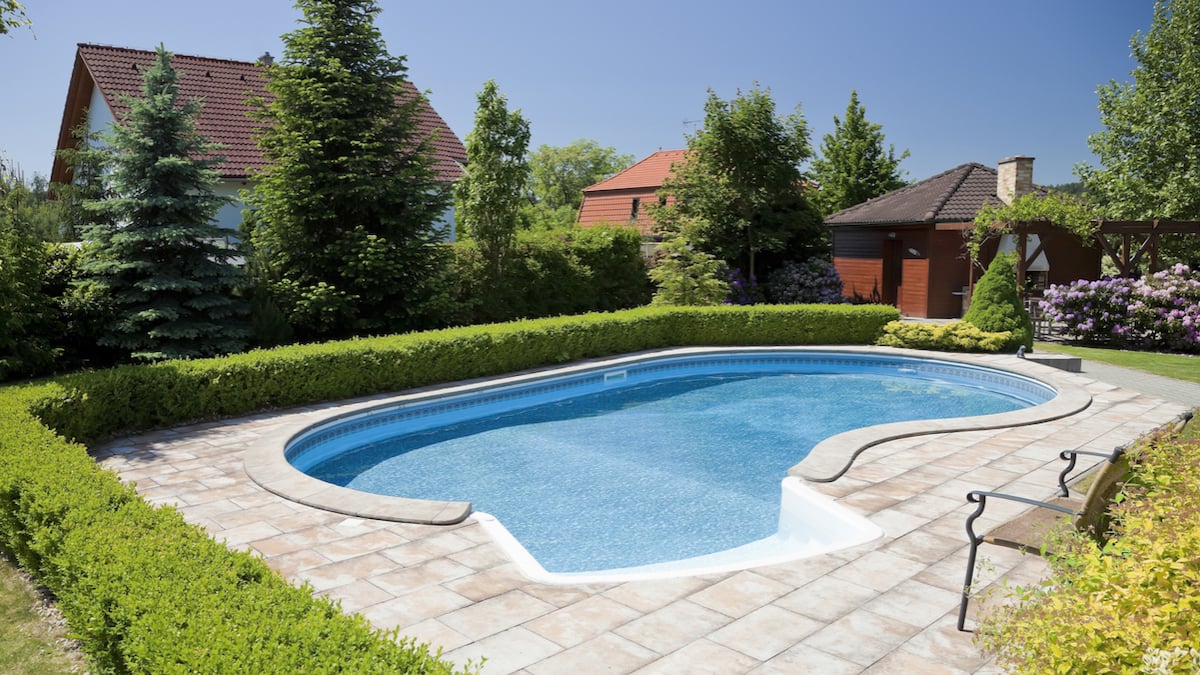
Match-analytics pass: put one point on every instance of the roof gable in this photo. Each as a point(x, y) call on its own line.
point(223, 86)
point(648, 173)
point(953, 196)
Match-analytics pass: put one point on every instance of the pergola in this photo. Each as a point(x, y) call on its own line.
point(1139, 240)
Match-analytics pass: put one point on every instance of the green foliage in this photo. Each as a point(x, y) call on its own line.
point(342, 222)
point(558, 175)
point(27, 316)
point(1149, 148)
point(997, 308)
point(490, 195)
point(1056, 208)
point(957, 336)
point(685, 276)
point(553, 273)
point(853, 166)
point(1126, 607)
point(740, 193)
point(172, 284)
point(12, 15)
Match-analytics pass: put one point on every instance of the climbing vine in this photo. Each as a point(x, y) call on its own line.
point(1057, 208)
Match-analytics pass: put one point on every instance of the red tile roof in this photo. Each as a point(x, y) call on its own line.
point(648, 173)
point(223, 86)
point(953, 196)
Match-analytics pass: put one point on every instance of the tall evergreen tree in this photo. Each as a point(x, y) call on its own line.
point(171, 281)
point(740, 192)
point(1149, 148)
point(854, 166)
point(491, 195)
point(343, 220)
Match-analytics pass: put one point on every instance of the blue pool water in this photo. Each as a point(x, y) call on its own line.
point(634, 467)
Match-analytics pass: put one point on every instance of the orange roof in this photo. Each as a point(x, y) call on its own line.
point(223, 86)
point(648, 173)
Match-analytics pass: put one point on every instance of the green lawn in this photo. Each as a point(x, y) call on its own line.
point(1168, 365)
point(27, 642)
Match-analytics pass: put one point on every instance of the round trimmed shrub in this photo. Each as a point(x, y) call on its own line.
point(996, 306)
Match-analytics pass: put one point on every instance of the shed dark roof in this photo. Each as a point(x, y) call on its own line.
point(223, 86)
point(953, 196)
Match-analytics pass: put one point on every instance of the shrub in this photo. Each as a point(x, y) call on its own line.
point(685, 276)
point(147, 592)
point(551, 273)
point(996, 306)
point(1160, 311)
point(814, 280)
point(958, 336)
point(1129, 607)
point(743, 290)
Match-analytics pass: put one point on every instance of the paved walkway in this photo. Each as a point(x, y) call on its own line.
point(884, 607)
point(1168, 389)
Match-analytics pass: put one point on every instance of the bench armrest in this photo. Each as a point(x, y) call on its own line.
point(980, 497)
point(1070, 456)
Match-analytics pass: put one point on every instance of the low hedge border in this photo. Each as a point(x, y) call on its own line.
point(146, 592)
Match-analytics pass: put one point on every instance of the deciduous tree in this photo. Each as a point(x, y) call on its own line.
point(854, 166)
point(344, 220)
point(1149, 148)
point(12, 15)
point(159, 255)
point(559, 174)
point(490, 196)
point(740, 193)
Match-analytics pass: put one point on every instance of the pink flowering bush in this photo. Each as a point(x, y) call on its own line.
point(1160, 311)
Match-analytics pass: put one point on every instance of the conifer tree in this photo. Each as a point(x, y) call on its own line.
point(490, 196)
point(854, 166)
point(171, 281)
point(996, 305)
point(343, 220)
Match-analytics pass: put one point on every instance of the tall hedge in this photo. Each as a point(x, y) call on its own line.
point(147, 592)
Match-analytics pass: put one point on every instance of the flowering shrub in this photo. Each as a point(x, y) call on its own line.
point(811, 281)
point(742, 290)
point(1160, 311)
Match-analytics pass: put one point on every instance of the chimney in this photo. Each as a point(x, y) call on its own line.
point(266, 59)
point(1014, 178)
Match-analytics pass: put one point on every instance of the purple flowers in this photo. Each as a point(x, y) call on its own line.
point(811, 281)
point(1161, 311)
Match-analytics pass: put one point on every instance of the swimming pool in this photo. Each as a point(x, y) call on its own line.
point(709, 496)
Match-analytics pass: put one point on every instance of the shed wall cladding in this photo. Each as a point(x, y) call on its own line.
point(1068, 259)
point(858, 243)
point(948, 276)
point(914, 291)
point(860, 276)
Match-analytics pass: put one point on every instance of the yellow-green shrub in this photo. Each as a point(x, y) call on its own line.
point(1132, 606)
point(958, 336)
point(146, 592)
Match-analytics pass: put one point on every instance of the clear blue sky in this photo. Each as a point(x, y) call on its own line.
point(953, 81)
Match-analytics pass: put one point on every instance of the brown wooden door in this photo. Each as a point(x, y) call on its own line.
point(893, 271)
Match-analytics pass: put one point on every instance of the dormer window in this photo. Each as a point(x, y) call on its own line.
point(633, 212)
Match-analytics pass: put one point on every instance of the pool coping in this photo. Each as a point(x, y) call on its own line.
point(267, 465)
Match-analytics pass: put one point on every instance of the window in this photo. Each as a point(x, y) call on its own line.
point(633, 212)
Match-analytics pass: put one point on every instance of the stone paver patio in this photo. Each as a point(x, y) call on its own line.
point(888, 606)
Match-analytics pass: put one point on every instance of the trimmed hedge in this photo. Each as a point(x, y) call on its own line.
point(957, 336)
point(146, 592)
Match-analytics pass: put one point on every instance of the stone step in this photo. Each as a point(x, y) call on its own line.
point(1071, 364)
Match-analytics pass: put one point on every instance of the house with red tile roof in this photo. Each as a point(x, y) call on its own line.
point(906, 248)
point(102, 75)
point(622, 199)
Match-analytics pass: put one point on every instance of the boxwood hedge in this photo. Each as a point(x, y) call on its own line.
point(146, 592)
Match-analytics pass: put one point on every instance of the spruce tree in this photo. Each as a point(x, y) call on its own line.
point(343, 220)
point(161, 261)
point(854, 166)
point(996, 305)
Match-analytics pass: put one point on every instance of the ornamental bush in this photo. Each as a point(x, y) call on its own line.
point(996, 306)
point(813, 280)
point(958, 336)
point(1126, 607)
point(1156, 312)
